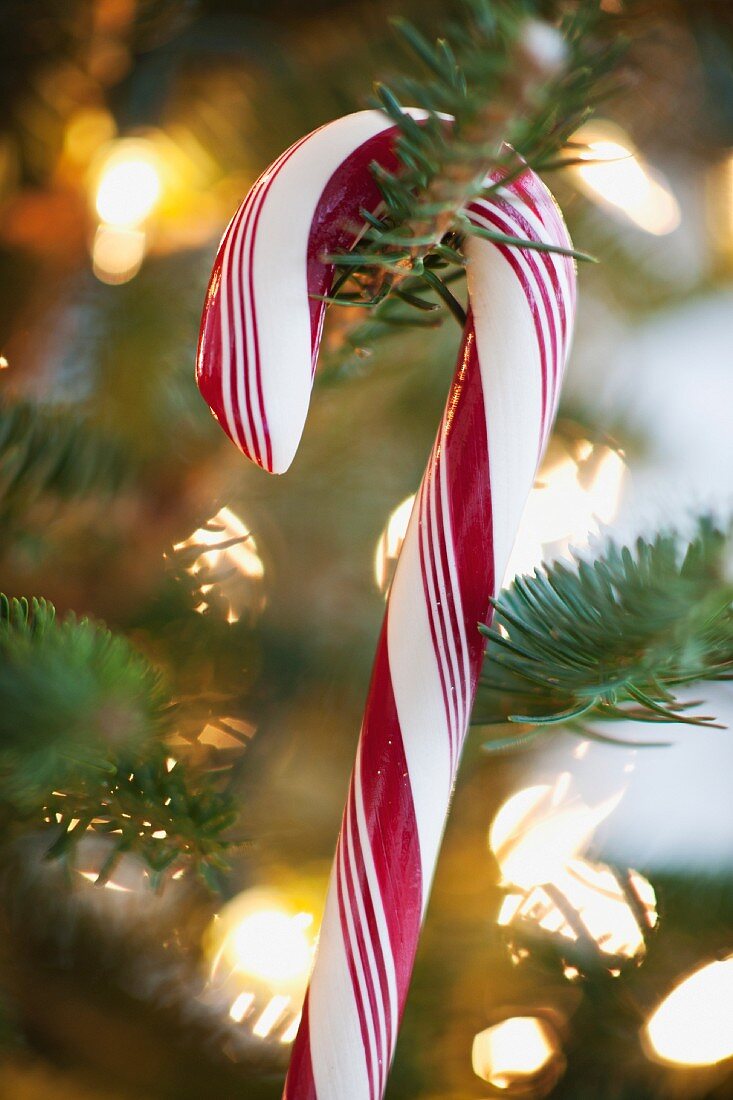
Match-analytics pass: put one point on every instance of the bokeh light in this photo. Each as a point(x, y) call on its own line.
point(618, 178)
point(261, 948)
point(576, 493)
point(390, 544)
point(513, 1055)
point(693, 1026)
point(129, 183)
point(539, 838)
point(225, 560)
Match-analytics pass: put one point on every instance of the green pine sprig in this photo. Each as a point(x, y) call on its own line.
point(612, 638)
point(516, 87)
point(52, 451)
point(83, 724)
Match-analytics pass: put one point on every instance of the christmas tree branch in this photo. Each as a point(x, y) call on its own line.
point(83, 724)
point(515, 87)
point(613, 638)
point(53, 451)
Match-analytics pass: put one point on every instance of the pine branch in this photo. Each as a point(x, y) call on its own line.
point(83, 721)
point(46, 451)
point(612, 639)
point(516, 87)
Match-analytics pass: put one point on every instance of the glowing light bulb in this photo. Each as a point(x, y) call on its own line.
point(129, 184)
point(509, 1055)
point(538, 838)
point(578, 489)
point(692, 1025)
point(261, 952)
point(222, 554)
point(117, 253)
point(618, 178)
point(273, 946)
point(390, 543)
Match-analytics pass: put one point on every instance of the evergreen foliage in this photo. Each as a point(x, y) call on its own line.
point(612, 638)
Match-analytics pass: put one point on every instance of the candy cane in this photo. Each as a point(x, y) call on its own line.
point(259, 343)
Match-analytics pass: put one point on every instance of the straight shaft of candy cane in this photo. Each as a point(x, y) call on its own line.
point(499, 412)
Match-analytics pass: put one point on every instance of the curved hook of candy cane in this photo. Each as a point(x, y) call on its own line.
point(262, 320)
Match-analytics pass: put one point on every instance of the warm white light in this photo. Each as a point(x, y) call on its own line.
point(575, 493)
point(115, 887)
point(693, 1026)
point(241, 1006)
point(129, 184)
point(271, 1016)
point(512, 1051)
point(540, 828)
point(288, 1036)
point(263, 943)
point(273, 946)
point(539, 837)
point(390, 543)
point(599, 904)
point(117, 253)
point(232, 547)
point(618, 178)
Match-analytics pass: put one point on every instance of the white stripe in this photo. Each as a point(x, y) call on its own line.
point(509, 361)
point(457, 599)
point(419, 700)
point(376, 896)
point(565, 268)
point(561, 264)
point(246, 364)
point(553, 345)
point(434, 603)
point(383, 1057)
point(356, 959)
point(337, 1051)
point(452, 675)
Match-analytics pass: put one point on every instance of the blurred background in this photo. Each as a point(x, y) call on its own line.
point(129, 132)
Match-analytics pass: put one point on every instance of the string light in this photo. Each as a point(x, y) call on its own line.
point(693, 1024)
point(577, 491)
point(618, 178)
point(224, 552)
point(129, 183)
point(117, 253)
point(592, 911)
point(390, 543)
point(261, 951)
point(519, 1054)
point(128, 187)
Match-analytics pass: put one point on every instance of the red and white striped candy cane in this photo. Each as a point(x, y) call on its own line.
point(259, 343)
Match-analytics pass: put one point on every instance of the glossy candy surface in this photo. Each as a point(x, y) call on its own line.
point(257, 354)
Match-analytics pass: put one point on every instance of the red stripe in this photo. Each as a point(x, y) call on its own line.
point(300, 1084)
point(466, 455)
point(390, 819)
point(551, 261)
